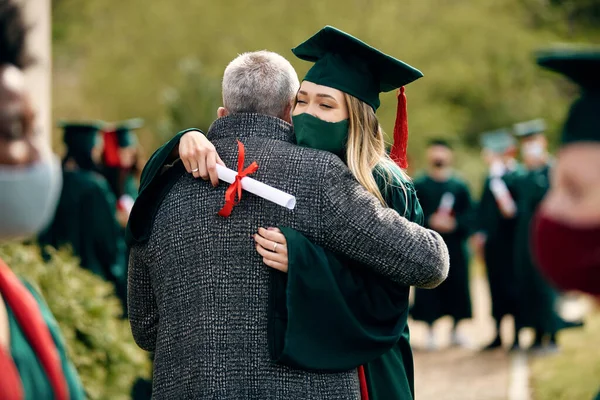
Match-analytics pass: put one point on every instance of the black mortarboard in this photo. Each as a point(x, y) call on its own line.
point(582, 66)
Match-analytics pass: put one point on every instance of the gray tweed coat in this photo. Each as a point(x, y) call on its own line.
point(198, 290)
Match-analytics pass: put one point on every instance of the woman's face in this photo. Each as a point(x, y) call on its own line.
point(323, 102)
point(575, 186)
point(19, 145)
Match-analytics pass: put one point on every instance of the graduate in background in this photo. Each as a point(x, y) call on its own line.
point(120, 164)
point(537, 298)
point(86, 215)
point(567, 228)
point(566, 232)
point(448, 209)
point(496, 213)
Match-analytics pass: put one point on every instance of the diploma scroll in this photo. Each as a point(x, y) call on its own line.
point(503, 197)
point(125, 203)
point(258, 188)
point(446, 203)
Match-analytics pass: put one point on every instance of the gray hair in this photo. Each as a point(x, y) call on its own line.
point(260, 82)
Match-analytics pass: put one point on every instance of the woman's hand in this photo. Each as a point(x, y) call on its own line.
point(199, 156)
point(272, 246)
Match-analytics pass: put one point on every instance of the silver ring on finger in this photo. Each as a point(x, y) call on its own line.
point(275, 247)
point(196, 170)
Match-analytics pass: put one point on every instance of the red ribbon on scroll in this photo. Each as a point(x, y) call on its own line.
point(233, 195)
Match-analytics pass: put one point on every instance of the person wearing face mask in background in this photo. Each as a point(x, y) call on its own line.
point(537, 298)
point(566, 228)
point(448, 209)
point(494, 240)
point(86, 214)
point(33, 357)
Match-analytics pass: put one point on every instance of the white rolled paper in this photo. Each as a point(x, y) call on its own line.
point(502, 196)
point(446, 203)
point(258, 188)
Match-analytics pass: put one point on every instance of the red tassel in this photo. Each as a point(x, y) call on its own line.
point(362, 379)
point(400, 146)
point(111, 149)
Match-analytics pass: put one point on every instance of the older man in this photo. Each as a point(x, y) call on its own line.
point(198, 292)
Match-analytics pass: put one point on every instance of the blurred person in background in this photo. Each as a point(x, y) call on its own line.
point(494, 239)
point(86, 216)
point(567, 225)
point(120, 160)
point(537, 298)
point(448, 209)
point(566, 231)
point(33, 358)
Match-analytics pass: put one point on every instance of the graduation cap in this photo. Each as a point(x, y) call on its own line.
point(125, 130)
point(117, 136)
point(582, 66)
point(80, 137)
point(497, 141)
point(348, 64)
point(529, 128)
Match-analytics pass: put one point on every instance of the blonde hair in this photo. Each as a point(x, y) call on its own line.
point(366, 153)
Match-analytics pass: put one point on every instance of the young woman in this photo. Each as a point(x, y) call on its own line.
point(327, 313)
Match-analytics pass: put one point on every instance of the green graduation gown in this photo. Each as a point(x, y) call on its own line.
point(86, 220)
point(537, 299)
point(453, 296)
point(33, 377)
point(330, 313)
point(498, 249)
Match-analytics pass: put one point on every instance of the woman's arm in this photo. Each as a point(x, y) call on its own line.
point(196, 152)
point(328, 312)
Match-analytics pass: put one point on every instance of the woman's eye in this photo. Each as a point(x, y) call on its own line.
point(300, 102)
point(326, 106)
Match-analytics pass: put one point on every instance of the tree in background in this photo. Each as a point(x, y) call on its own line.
point(116, 59)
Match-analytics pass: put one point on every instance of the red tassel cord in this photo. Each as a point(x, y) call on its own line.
point(233, 195)
point(400, 146)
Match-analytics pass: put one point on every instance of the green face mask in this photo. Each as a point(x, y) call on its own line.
point(321, 135)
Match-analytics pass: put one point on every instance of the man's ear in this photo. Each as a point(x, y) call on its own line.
point(287, 113)
point(222, 112)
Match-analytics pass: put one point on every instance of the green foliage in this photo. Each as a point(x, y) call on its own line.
point(192, 102)
point(98, 340)
point(117, 59)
